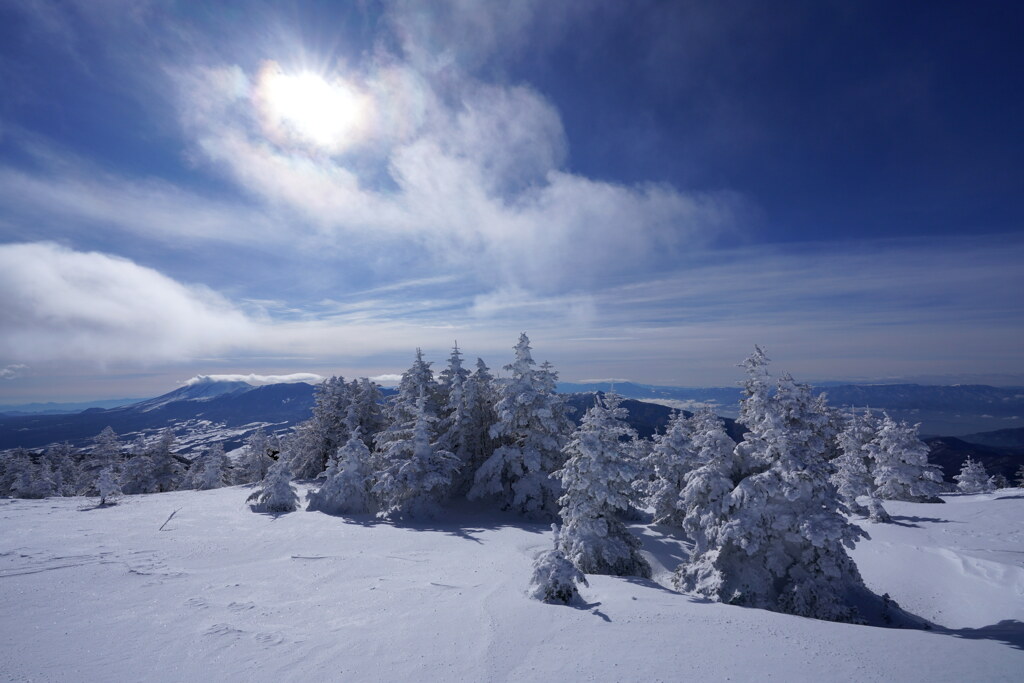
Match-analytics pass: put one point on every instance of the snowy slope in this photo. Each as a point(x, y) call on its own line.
point(221, 593)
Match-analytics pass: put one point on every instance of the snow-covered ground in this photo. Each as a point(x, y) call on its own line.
point(221, 593)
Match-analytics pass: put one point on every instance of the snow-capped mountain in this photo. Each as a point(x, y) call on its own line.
point(202, 406)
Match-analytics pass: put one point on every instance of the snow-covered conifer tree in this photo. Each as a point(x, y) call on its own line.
point(532, 428)
point(417, 475)
point(901, 468)
point(973, 478)
point(166, 468)
point(318, 438)
point(107, 487)
point(597, 481)
point(365, 413)
point(481, 396)
point(28, 476)
point(671, 459)
point(137, 472)
point(778, 539)
point(402, 408)
point(554, 576)
point(455, 423)
point(106, 454)
point(256, 461)
point(66, 475)
point(276, 493)
point(852, 477)
point(347, 489)
point(211, 470)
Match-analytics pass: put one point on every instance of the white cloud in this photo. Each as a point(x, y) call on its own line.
point(88, 306)
point(308, 377)
point(473, 176)
point(13, 371)
point(387, 379)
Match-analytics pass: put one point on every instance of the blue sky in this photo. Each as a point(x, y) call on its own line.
point(647, 188)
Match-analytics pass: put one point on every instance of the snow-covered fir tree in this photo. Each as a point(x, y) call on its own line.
point(318, 438)
point(105, 454)
point(365, 412)
point(256, 460)
point(166, 468)
point(554, 577)
point(597, 483)
point(107, 487)
point(531, 429)
point(901, 468)
point(211, 470)
point(64, 468)
point(779, 539)
point(137, 472)
point(402, 408)
point(973, 478)
point(705, 501)
point(417, 475)
point(672, 457)
point(347, 489)
point(276, 493)
point(27, 476)
point(481, 397)
point(852, 477)
point(455, 423)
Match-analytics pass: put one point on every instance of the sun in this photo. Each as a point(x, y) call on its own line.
point(307, 108)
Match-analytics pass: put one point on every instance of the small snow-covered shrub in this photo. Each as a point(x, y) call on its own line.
point(276, 493)
point(555, 577)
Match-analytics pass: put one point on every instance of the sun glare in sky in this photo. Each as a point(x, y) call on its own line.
point(309, 109)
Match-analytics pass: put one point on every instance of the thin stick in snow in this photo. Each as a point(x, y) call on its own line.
point(167, 520)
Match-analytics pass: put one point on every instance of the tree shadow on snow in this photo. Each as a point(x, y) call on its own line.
point(914, 519)
point(1007, 631)
point(1008, 498)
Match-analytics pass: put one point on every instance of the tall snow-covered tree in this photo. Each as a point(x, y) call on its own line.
point(66, 474)
point(779, 539)
point(318, 438)
point(137, 472)
point(417, 475)
point(901, 468)
point(211, 470)
point(705, 501)
point(531, 429)
point(481, 397)
point(347, 489)
point(597, 483)
point(365, 412)
point(27, 476)
point(852, 476)
point(257, 459)
point(107, 487)
point(672, 457)
point(402, 408)
point(455, 423)
point(973, 478)
point(105, 454)
point(167, 470)
point(276, 493)
point(1020, 476)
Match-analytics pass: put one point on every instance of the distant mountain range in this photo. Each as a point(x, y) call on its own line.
point(207, 411)
point(942, 410)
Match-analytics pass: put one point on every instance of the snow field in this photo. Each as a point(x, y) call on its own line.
point(222, 593)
